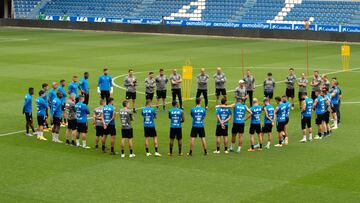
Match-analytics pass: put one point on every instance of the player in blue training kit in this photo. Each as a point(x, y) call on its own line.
point(269, 116)
point(84, 87)
point(108, 117)
point(176, 116)
point(41, 106)
point(335, 100)
point(320, 111)
point(56, 114)
point(45, 88)
point(105, 86)
point(52, 93)
point(223, 115)
point(287, 114)
point(149, 115)
point(73, 88)
point(82, 111)
point(306, 111)
point(198, 115)
point(61, 89)
point(255, 125)
point(27, 110)
point(238, 127)
point(280, 115)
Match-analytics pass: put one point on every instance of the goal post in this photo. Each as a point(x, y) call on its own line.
point(345, 56)
point(187, 76)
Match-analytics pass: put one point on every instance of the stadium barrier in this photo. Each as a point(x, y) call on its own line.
point(253, 30)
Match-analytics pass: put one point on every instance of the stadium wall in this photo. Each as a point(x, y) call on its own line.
point(191, 30)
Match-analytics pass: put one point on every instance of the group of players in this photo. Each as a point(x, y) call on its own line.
point(69, 108)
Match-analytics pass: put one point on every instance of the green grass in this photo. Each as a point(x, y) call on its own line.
point(32, 171)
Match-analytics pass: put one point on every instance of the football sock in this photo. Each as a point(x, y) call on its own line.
point(131, 151)
point(260, 146)
point(280, 141)
point(171, 150)
point(122, 151)
point(84, 143)
point(252, 146)
point(205, 151)
point(147, 150)
point(217, 148)
point(179, 149)
point(112, 149)
point(226, 148)
point(190, 152)
point(156, 149)
point(77, 142)
point(103, 147)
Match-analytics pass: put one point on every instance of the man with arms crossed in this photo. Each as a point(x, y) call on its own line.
point(176, 81)
point(315, 84)
point(198, 114)
point(290, 86)
point(269, 86)
point(150, 84)
point(130, 83)
point(161, 82)
point(105, 85)
point(176, 117)
point(202, 81)
point(149, 115)
point(250, 85)
point(108, 118)
point(126, 116)
point(302, 82)
point(220, 80)
point(240, 92)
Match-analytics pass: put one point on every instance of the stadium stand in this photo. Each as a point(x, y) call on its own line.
point(328, 12)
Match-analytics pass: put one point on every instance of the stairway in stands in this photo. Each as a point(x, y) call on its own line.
point(237, 17)
point(141, 8)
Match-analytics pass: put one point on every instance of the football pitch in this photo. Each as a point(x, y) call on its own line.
point(33, 171)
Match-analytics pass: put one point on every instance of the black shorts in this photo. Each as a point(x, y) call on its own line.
point(290, 93)
point(269, 95)
point(221, 131)
point(72, 124)
point(320, 118)
point(220, 91)
point(267, 128)
point(255, 128)
point(280, 126)
point(197, 131)
point(238, 128)
point(305, 122)
point(41, 120)
point(110, 130)
point(81, 127)
point(28, 117)
point(176, 133)
point(327, 117)
point(161, 94)
point(130, 95)
point(335, 108)
point(149, 96)
point(56, 121)
point(150, 132)
point(105, 94)
point(127, 133)
point(99, 131)
point(287, 121)
point(300, 95)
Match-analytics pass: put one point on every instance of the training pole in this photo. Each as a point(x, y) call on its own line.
point(242, 63)
point(307, 57)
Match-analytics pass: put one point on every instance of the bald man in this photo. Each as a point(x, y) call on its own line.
point(220, 80)
point(175, 80)
point(202, 81)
